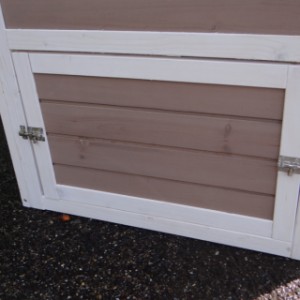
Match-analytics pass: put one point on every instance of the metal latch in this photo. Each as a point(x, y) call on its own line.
point(34, 134)
point(291, 165)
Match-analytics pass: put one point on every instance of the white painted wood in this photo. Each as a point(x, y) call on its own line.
point(34, 116)
point(178, 70)
point(296, 237)
point(188, 229)
point(285, 206)
point(209, 45)
point(168, 210)
point(290, 141)
point(12, 115)
point(288, 186)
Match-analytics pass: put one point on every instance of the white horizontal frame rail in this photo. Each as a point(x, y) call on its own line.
point(35, 119)
point(187, 229)
point(288, 186)
point(209, 45)
point(12, 115)
point(179, 212)
point(165, 69)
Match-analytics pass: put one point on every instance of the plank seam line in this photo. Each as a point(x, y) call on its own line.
point(163, 147)
point(160, 110)
point(167, 179)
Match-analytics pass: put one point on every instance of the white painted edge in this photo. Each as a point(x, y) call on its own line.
point(206, 45)
point(33, 113)
point(178, 212)
point(288, 186)
point(290, 141)
point(166, 225)
point(166, 69)
point(296, 240)
point(291, 144)
point(286, 201)
point(12, 115)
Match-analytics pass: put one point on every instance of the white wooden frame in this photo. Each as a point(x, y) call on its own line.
point(33, 164)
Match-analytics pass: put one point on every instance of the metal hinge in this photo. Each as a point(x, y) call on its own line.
point(291, 165)
point(34, 134)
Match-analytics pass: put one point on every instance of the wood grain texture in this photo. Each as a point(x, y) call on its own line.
point(255, 205)
point(256, 16)
point(208, 133)
point(204, 98)
point(249, 174)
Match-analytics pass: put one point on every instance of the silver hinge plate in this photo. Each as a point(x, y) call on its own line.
point(291, 165)
point(34, 134)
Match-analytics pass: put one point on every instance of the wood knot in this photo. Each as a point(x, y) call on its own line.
point(227, 130)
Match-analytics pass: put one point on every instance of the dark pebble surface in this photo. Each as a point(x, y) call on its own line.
point(43, 257)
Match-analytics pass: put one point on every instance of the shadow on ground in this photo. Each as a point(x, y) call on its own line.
point(42, 257)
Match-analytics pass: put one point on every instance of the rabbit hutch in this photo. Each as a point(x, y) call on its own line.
point(176, 116)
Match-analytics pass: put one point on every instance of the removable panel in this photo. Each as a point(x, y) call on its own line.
point(204, 145)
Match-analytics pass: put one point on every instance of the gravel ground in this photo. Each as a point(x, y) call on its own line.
point(44, 257)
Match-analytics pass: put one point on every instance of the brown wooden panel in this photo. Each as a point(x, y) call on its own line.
point(252, 16)
point(231, 201)
point(246, 137)
point(256, 175)
point(204, 98)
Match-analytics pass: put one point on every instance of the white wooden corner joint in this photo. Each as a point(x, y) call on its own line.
point(19, 105)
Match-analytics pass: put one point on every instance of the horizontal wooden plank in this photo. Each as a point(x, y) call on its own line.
point(255, 175)
point(203, 98)
point(255, 16)
point(205, 45)
point(234, 136)
point(255, 205)
point(164, 69)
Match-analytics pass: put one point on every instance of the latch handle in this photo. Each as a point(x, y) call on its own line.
point(34, 134)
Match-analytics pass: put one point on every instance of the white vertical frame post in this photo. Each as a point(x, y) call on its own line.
point(296, 241)
point(13, 116)
point(288, 186)
point(33, 112)
point(294, 132)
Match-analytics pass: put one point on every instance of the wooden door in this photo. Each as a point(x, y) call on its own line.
point(185, 146)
